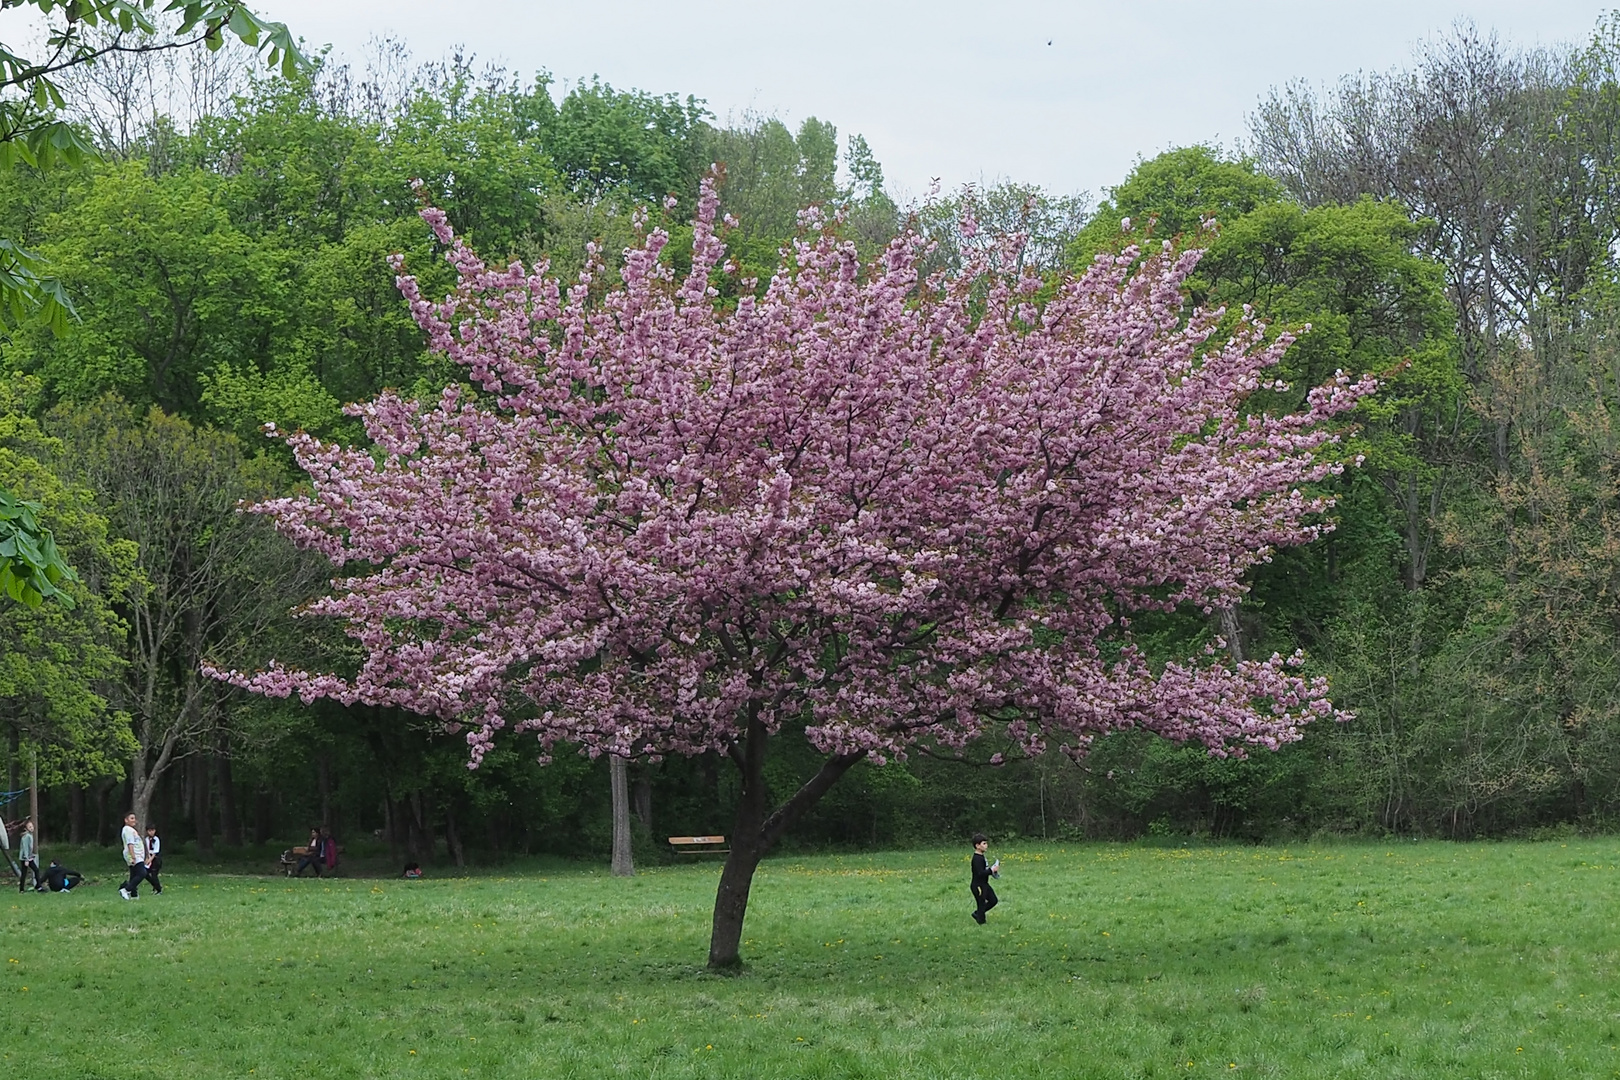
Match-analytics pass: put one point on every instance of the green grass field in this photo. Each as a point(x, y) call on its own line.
point(1404, 960)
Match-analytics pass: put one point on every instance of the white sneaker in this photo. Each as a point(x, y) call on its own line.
point(123, 892)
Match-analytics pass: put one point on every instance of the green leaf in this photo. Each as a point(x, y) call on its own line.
point(12, 585)
point(245, 26)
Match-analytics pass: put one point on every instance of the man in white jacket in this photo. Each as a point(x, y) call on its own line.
point(134, 857)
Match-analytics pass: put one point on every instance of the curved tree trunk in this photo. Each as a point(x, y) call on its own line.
point(754, 834)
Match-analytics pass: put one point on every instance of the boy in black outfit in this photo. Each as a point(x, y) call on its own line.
point(983, 894)
point(60, 879)
point(154, 858)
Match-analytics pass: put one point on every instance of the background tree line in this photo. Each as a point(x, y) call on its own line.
point(1451, 226)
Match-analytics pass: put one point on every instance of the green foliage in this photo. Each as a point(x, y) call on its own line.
point(245, 400)
point(57, 660)
point(770, 174)
point(602, 139)
point(1173, 195)
point(31, 569)
point(78, 32)
point(167, 288)
point(27, 291)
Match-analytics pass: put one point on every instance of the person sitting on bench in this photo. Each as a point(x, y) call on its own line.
point(314, 855)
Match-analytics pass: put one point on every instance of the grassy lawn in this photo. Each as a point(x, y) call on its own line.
point(1403, 960)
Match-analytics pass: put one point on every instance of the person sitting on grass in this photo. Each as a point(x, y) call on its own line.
point(412, 871)
point(59, 878)
point(311, 855)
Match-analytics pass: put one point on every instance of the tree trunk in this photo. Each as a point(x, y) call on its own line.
point(230, 821)
point(418, 841)
point(141, 789)
point(391, 827)
point(104, 791)
point(754, 834)
point(641, 798)
point(736, 881)
point(144, 776)
point(452, 838)
point(1231, 631)
point(323, 780)
point(623, 864)
point(75, 814)
point(200, 815)
point(33, 802)
point(170, 791)
point(264, 815)
point(11, 764)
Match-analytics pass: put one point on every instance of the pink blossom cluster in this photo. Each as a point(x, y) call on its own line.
point(889, 509)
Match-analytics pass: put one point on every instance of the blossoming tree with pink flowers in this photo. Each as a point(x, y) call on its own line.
point(857, 507)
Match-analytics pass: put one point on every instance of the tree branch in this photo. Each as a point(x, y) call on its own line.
point(807, 796)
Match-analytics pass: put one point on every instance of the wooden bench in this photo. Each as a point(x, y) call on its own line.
point(288, 863)
point(699, 845)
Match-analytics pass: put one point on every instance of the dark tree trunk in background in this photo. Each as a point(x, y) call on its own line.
point(323, 778)
point(391, 827)
point(170, 786)
point(264, 816)
point(623, 863)
point(420, 840)
point(230, 822)
point(13, 741)
point(754, 834)
point(641, 798)
point(104, 790)
point(75, 814)
point(452, 839)
point(407, 834)
point(200, 815)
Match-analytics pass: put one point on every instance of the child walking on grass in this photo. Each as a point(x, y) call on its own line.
point(154, 858)
point(134, 857)
point(983, 871)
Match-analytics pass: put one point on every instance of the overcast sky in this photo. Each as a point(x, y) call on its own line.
point(1064, 94)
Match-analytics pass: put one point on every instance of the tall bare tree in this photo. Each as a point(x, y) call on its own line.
point(214, 579)
point(1506, 157)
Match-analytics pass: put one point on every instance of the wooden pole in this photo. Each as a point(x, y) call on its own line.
point(33, 798)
